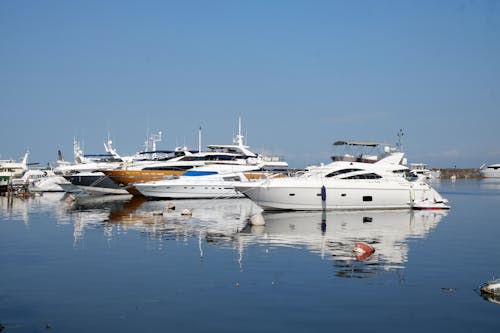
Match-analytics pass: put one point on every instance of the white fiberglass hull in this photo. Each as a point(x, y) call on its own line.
point(188, 190)
point(101, 190)
point(339, 194)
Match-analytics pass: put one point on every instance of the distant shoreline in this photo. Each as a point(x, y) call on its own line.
point(464, 173)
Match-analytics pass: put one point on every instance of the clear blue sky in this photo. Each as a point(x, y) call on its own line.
point(301, 74)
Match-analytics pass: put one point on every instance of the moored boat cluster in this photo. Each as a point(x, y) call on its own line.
point(353, 180)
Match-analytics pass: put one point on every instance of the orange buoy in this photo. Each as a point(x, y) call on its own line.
point(363, 250)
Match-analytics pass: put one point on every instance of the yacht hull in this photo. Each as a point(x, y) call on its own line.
point(188, 191)
point(95, 183)
point(125, 178)
point(293, 194)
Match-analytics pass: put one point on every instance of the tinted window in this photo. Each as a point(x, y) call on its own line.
point(341, 172)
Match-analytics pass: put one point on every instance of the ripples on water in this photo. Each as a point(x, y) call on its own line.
point(112, 258)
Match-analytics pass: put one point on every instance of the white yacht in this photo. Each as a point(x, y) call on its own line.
point(421, 171)
point(11, 169)
point(490, 171)
point(37, 180)
point(211, 181)
point(349, 182)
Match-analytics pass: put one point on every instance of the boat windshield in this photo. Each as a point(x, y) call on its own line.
point(360, 151)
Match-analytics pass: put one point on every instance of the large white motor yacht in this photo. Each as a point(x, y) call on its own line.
point(346, 183)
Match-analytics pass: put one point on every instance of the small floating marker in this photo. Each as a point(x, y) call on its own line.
point(257, 220)
point(186, 212)
point(157, 213)
point(363, 250)
point(170, 206)
point(48, 327)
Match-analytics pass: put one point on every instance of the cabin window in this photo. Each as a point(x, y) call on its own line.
point(364, 176)
point(163, 168)
point(291, 194)
point(343, 194)
point(367, 198)
point(342, 171)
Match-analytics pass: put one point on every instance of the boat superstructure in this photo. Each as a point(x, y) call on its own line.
point(85, 174)
point(10, 169)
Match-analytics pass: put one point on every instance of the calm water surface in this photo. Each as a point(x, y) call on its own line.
point(114, 264)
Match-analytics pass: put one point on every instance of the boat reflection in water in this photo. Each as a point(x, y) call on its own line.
point(217, 220)
point(16, 208)
point(489, 184)
point(332, 235)
point(225, 223)
point(491, 298)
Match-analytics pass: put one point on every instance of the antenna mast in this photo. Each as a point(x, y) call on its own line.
point(199, 140)
point(239, 138)
point(400, 140)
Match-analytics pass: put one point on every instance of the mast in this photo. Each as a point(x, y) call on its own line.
point(239, 138)
point(199, 140)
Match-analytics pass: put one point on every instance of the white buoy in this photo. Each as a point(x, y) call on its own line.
point(186, 212)
point(157, 213)
point(170, 206)
point(257, 220)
